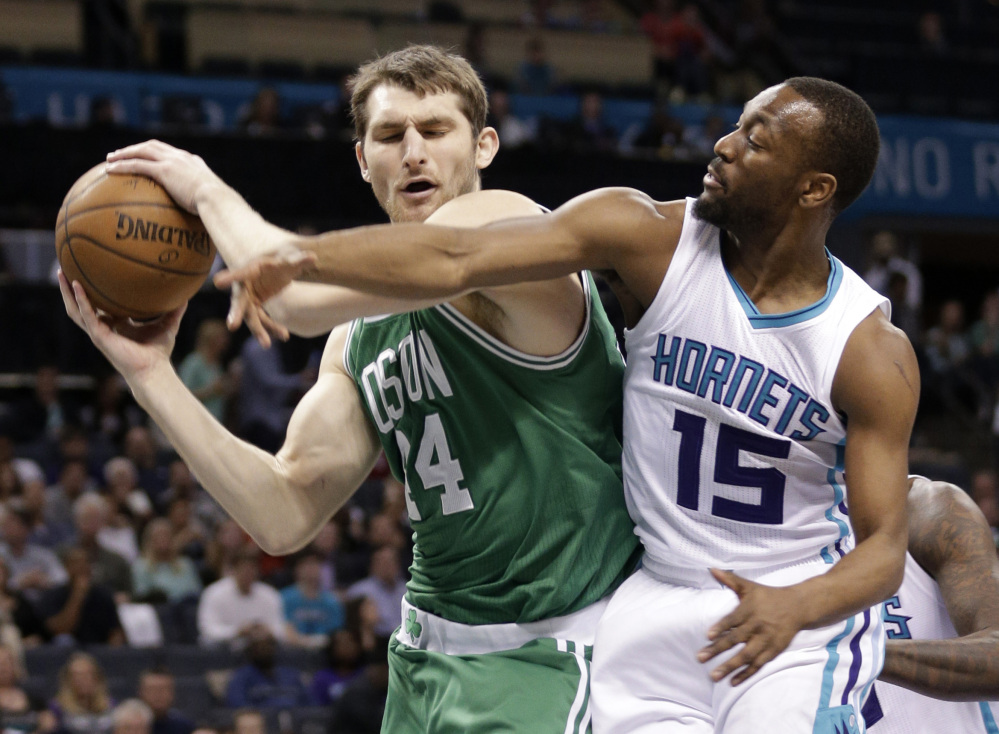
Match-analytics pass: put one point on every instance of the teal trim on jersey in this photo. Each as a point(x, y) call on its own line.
point(990, 722)
point(838, 495)
point(773, 320)
point(831, 664)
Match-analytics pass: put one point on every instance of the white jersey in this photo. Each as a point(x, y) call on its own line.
point(733, 454)
point(918, 612)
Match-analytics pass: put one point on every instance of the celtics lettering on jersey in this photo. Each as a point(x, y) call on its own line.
point(420, 374)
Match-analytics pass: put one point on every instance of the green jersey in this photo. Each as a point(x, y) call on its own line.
point(512, 462)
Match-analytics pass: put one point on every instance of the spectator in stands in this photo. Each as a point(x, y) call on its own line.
point(140, 447)
point(659, 137)
point(362, 705)
point(535, 75)
point(514, 131)
point(132, 716)
point(81, 611)
point(249, 721)
point(312, 613)
point(261, 683)
point(183, 485)
point(264, 114)
point(42, 531)
point(385, 586)
point(19, 712)
point(589, 130)
point(82, 705)
point(680, 47)
point(902, 314)
point(363, 617)
point(947, 353)
point(157, 690)
point(129, 507)
point(223, 550)
point(984, 338)
point(325, 546)
point(74, 480)
point(698, 141)
point(161, 573)
point(203, 371)
point(19, 623)
point(39, 418)
point(187, 533)
point(266, 393)
point(111, 413)
point(33, 568)
point(886, 259)
point(235, 607)
point(109, 567)
point(343, 665)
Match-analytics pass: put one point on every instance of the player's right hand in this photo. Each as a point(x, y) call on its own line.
point(131, 347)
point(181, 173)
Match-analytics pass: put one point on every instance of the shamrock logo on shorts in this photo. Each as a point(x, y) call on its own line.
point(413, 628)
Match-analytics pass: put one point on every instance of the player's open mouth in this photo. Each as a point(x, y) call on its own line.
point(418, 187)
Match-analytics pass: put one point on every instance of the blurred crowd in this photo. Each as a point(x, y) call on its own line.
point(107, 540)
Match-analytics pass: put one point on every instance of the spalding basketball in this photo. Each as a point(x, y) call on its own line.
point(134, 251)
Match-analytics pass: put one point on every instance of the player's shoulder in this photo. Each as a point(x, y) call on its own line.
point(878, 344)
point(931, 500)
point(482, 207)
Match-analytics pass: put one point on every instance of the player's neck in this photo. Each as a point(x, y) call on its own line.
point(779, 274)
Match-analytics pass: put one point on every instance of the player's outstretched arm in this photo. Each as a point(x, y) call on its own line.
point(282, 500)
point(950, 539)
point(877, 387)
point(609, 229)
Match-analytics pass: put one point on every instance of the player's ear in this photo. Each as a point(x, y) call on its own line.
point(486, 147)
point(817, 189)
point(361, 162)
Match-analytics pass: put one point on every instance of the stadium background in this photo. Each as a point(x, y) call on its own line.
point(81, 78)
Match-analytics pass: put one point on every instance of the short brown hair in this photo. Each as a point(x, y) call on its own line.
point(422, 70)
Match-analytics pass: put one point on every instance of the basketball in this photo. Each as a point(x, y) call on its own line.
point(134, 251)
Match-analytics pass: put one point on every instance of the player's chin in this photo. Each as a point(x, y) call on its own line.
point(409, 211)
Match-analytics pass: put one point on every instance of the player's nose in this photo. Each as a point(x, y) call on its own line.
point(414, 148)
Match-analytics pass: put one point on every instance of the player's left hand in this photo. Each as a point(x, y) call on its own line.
point(764, 623)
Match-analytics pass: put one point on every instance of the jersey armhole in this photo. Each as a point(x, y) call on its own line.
point(346, 348)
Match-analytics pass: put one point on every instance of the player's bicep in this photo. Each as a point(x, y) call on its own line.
point(877, 387)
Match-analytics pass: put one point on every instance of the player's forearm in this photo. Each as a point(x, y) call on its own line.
point(959, 669)
point(864, 578)
point(245, 480)
point(425, 261)
point(239, 233)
